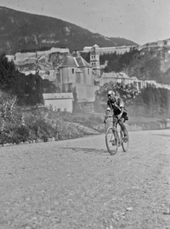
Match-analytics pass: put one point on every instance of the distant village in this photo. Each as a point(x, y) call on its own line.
point(69, 70)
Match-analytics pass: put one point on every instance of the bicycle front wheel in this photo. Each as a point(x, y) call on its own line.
point(111, 141)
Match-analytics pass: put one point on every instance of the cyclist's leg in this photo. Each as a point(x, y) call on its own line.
point(123, 127)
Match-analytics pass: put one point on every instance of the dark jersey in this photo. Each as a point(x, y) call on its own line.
point(115, 106)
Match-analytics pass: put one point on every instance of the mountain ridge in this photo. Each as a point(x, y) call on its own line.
point(21, 30)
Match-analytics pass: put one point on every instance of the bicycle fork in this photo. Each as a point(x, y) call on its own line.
point(116, 135)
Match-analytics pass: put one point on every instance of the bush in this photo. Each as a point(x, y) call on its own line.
point(27, 124)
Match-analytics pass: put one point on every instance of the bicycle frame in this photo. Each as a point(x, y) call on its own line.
point(114, 125)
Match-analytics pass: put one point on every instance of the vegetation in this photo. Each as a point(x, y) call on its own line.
point(118, 62)
point(152, 102)
point(149, 102)
point(27, 88)
point(19, 124)
point(8, 74)
point(126, 92)
point(145, 66)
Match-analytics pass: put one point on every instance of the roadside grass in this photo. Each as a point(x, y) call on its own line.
point(18, 124)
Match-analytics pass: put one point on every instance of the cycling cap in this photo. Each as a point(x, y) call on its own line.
point(110, 93)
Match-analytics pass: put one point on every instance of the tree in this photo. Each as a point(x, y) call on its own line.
point(28, 89)
point(154, 100)
point(145, 66)
point(8, 73)
point(127, 92)
point(118, 62)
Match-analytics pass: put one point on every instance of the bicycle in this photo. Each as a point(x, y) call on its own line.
point(115, 138)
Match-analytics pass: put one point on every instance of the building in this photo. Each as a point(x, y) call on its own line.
point(95, 60)
point(157, 45)
point(120, 77)
point(76, 74)
point(21, 57)
point(40, 61)
point(61, 101)
point(109, 50)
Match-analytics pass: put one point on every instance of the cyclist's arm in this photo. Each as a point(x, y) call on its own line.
point(120, 115)
point(107, 113)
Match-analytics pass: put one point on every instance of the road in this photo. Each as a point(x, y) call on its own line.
point(76, 184)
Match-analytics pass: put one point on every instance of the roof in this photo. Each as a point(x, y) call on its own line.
point(134, 78)
point(82, 63)
point(77, 62)
point(109, 75)
point(49, 96)
point(69, 61)
point(96, 46)
point(123, 75)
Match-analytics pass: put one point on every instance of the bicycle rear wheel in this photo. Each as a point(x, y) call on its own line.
point(125, 144)
point(111, 142)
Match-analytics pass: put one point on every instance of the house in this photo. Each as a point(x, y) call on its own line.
point(62, 101)
point(114, 77)
point(75, 70)
point(107, 78)
point(119, 77)
point(76, 73)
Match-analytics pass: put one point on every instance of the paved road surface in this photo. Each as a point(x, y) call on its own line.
point(76, 184)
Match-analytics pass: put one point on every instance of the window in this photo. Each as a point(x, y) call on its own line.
point(72, 70)
point(88, 71)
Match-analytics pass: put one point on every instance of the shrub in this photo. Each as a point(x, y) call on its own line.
point(26, 124)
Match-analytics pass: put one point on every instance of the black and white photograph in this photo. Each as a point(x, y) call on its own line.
point(84, 114)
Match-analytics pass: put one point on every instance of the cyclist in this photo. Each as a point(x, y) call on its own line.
point(116, 104)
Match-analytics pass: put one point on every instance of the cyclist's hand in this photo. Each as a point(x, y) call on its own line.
point(119, 117)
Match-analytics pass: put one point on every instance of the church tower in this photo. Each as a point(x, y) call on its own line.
point(95, 59)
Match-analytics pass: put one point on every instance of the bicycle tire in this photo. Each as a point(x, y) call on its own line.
point(125, 145)
point(109, 138)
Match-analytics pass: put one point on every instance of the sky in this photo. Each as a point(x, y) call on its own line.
point(140, 21)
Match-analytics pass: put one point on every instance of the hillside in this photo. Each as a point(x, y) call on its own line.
point(20, 30)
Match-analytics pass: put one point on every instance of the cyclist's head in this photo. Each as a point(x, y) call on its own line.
point(111, 95)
